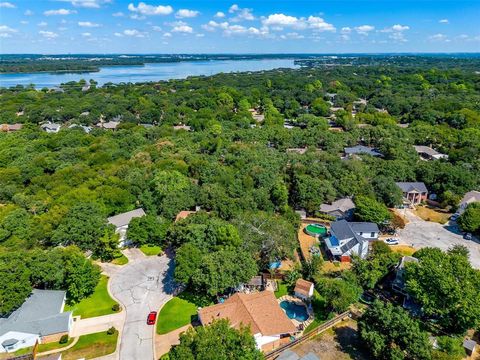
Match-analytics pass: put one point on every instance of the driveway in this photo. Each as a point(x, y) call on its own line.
point(420, 233)
point(141, 286)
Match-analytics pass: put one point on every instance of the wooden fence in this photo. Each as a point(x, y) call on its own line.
point(325, 326)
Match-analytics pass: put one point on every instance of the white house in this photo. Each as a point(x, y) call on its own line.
point(350, 238)
point(470, 197)
point(303, 289)
point(121, 222)
point(50, 127)
point(40, 318)
point(268, 323)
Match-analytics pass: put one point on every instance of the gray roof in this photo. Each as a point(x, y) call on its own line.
point(125, 218)
point(360, 149)
point(469, 344)
point(50, 126)
point(412, 186)
point(346, 230)
point(342, 205)
point(471, 196)
point(422, 149)
point(39, 314)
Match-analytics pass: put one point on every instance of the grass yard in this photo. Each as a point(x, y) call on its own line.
point(175, 314)
point(92, 346)
point(331, 266)
point(282, 290)
point(151, 250)
point(44, 347)
point(430, 214)
point(405, 250)
point(121, 260)
point(98, 304)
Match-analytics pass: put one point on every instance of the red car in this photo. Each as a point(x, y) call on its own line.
point(151, 318)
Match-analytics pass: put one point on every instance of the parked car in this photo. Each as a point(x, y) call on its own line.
point(392, 241)
point(467, 236)
point(455, 216)
point(151, 318)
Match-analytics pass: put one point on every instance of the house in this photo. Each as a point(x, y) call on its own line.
point(85, 128)
point(427, 153)
point(109, 125)
point(469, 345)
point(350, 238)
point(50, 127)
point(10, 127)
point(413, 192)
point(361, 150)
point(182, 127)
point(339, 209)
point(398, 284)
point(121, 222)
point(303, 289)
point(184, 214)
point(468, 198)
point(40, 318)
point(268, 323)
point(256, 115)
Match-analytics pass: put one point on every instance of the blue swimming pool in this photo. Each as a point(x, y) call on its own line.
point(294, 311)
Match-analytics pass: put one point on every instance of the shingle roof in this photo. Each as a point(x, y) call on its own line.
point(346, 230)
point(471, 196)
point(422, 149)
point(412, 186)
point(360, 149)
point(260, 311)
point(125, 218)
point(303, 287)
point(39, 314)
point(343, 205)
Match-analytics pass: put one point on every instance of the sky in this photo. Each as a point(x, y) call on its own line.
point(218, 26)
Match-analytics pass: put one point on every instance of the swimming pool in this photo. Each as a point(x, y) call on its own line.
point(294, 311)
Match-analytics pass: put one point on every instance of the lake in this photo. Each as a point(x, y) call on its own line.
point(148, 72)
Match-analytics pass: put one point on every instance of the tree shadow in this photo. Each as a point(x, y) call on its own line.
point(170, 286)
point(349, 342)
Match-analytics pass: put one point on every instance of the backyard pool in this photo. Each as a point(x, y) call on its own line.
point(316, 230)
point(294, 311)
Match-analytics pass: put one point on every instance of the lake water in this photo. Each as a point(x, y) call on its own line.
point(149, 72)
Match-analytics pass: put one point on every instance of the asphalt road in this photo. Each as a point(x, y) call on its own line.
point(141, 286)
point(420, 233)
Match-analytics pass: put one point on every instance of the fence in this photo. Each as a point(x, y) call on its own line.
point(325, 326)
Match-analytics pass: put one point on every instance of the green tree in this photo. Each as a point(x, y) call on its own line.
point(147, 229)
point(369, 209)
point(217, 341)
point(187, 261)
point(15, 282)
point(389, 333)
point(470, 219)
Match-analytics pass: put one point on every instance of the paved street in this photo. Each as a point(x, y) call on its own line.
point(419, 233)
point(141, 286)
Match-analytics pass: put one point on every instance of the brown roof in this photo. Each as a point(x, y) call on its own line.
point(260, 311)
point(303, 287)
point(183, 215)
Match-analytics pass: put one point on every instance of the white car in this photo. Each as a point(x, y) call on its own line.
point(392, 241)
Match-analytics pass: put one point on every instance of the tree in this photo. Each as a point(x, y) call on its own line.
point(470, 219)
point(447, 287)
point(368, 209)
point(389, 333)
point(218, 341)
point(339, 293)
point(147, 229)
point(320, 107)
point(187, 260)
point(15, 282)
point(387, 191)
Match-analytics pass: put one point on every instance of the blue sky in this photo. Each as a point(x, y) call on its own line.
point(217, 26)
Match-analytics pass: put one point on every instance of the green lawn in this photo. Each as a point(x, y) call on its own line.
point(151, 250)
point(282, 290)
point(44, 347)
point(98, 304)
point(121, 260)
point(175, 314)
point(91, 346)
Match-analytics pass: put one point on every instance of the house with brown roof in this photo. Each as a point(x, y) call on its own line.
point(269, 325)
point(303, 289)
point(183, 215)
point(10, 127)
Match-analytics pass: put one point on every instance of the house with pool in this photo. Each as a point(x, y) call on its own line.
point(350, 238)
point(269, 324)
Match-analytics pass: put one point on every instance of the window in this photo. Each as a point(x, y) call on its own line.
point(372, 234)
point(361, 233)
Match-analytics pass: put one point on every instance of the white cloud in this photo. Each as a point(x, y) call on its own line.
point(48, 34)
point(42, 23)
point(93, 4)
point(86, 34)
point(182, 28)
point(346, 30)
point(88, 24)
point(292, 35)
point(118, 14)
point(59, 12)
point(443, 21)
point(146, 9)
point(7, 5)
point(280, 21)
point(438, 37)
point(137, 17)
point(233, 8)
point(186, 13)
point(28, 12)
point(156, 28)
point(219, 14)
point(24, 22)
point(399, 27)
point(364, 29)
point(133, 32)
point(117, 34)
point(6, 31)
point(62, 28)
point(200, 35)
point(167, 35)
point(241, 14)
point(318, 24)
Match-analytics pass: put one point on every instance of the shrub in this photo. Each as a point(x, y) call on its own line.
point(111, 331)
point(64, 339)
point(116, 307)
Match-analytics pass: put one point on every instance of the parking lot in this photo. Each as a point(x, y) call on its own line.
point(420, 233)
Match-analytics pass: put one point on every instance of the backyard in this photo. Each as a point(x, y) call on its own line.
point(174, 314)
point(92, 346)
point(430, 214)
point(98, 304)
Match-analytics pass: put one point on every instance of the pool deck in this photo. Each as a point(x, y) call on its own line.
point(298, 302)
